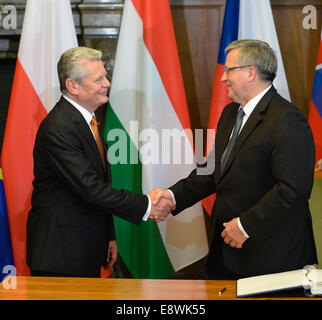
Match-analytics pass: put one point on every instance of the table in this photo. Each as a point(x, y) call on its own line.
point(46, 288)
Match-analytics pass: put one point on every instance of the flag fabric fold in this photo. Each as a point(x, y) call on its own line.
point(243, 19)
point(147, 112)
point(48, 30)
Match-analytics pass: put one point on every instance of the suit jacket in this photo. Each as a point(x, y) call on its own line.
point(70, 223)
point(267, 182)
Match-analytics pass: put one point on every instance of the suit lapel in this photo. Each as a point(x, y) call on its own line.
point(227, 123)
point(250, 125)
point(83, 128)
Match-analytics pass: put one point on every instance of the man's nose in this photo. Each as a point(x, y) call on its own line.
point(107, 83)
point(224, 77)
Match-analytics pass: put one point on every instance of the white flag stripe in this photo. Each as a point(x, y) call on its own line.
point(44, 25)
point(126, 78)
point(256, 22)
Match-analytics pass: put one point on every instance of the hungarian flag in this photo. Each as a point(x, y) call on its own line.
point(315, 114)
point(147, 129)
point(6, 257)
point(48, 30)
point(244, 19)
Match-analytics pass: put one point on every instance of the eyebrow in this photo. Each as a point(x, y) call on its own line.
point(100, 77)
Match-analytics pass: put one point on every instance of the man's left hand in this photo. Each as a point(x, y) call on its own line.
point(112, 254)
point(232, 235)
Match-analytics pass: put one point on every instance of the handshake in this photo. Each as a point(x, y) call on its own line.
point(162, 203)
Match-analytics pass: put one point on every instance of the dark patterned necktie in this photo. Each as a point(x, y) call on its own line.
point(98, 139)
point(232, 140)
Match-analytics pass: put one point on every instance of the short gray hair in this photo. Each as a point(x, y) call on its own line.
point(70, 64)
point(258, 54)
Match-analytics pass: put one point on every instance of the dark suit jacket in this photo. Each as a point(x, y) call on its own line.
point(267, 182)
point(70, 223)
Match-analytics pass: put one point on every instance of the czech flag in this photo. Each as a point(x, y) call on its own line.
point(244, 19)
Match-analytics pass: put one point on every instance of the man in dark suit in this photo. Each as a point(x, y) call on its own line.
point(264, 166)
point(70, 228)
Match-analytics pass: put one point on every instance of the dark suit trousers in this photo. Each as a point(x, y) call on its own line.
point(214, 268)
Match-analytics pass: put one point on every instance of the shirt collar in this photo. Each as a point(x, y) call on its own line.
point(85, 113)
point(251, 104)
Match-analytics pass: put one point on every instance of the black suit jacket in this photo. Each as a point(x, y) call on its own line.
point(267, 182)
point(70, 223)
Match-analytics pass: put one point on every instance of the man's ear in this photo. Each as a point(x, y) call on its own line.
point(72, 86)
point(252, 73)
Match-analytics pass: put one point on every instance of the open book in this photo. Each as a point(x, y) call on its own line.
point(309, 278)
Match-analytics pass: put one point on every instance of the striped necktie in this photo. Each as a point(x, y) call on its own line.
point(98, 139)
point(232, 140)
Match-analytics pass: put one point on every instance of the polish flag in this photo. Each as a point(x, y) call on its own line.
point(48, 30)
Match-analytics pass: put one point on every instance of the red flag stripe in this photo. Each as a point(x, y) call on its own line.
point(17, 160)
point(157, 22)
point(219, 100)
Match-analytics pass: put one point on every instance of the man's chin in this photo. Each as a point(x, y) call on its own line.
point(104, 99)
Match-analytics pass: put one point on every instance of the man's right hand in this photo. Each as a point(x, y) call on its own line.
point(161, 204)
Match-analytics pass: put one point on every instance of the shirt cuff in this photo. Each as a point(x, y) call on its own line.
point(148, 211)
point(242, 229)
point(174, 199)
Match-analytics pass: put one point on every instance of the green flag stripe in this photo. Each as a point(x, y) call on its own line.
point(141, 247)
